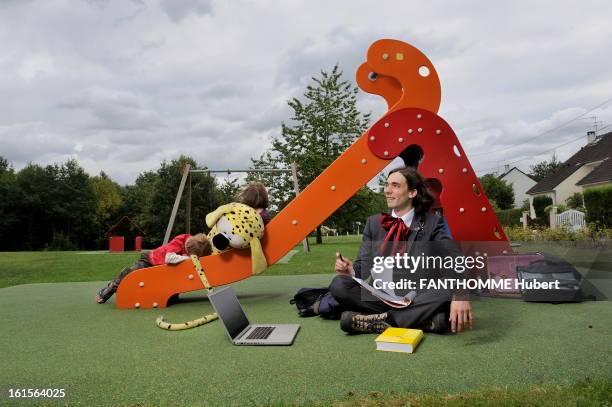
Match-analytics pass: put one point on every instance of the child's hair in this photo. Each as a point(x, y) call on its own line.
point(198, 245)
point(255, 196)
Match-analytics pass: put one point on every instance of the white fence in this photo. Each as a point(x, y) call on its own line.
point(327, 231)
point(571, 218)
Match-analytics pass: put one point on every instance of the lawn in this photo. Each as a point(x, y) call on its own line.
point(55, 267)
point(55, 336)
point(78, 266)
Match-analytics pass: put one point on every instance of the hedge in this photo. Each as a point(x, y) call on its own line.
point(510, 217)
point(546, 234)
point(598, 202)
point(539, 203)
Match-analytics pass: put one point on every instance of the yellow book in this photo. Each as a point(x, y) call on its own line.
point(399, 340)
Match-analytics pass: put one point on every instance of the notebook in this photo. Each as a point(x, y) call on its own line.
point(399, 340)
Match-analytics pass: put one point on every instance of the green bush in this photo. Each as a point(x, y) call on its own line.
point(510, 217)
point(494, 205)
point(560, 208)
point(539, 203)
point(588, 233)
point(61, 242)
point(598, 201)
point(574, 201)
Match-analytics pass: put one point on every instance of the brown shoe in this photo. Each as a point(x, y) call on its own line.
point(105, 293)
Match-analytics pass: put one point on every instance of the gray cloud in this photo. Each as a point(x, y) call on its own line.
point(221, 90)
point(178, 10)
point(123, 85)
point(115, 110)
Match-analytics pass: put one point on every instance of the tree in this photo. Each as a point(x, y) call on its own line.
point(280, 185)
point(525, 205)
point(108, 202)
point(493, 204)
point(4, 165)
point(323, 125)
point(136, 198)
point(542, 169)
point(78, 189)
point(55, 207)
point(357, 209)
point(9, 205)
point(61, 207)
point(35, 216)
point(229, 191)
point(576, 201)
point(155, 193)
point(72, 206)
point(498, 191)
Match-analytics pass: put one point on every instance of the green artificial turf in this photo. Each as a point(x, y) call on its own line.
point(519, 354)
point(53, 335)
point(584, 393)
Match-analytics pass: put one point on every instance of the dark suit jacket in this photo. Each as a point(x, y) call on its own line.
point(426, 227)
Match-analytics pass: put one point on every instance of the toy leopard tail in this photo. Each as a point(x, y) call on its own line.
point(194, 323)
point(185, 325)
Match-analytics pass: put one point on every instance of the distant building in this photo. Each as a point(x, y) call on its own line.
point(590, 166)
point(520, 183)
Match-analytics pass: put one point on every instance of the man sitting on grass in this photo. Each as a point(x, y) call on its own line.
point(179, 249)
point(410, 222)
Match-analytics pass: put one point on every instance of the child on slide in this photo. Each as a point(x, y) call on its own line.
point(255, 195)
point(179, 249)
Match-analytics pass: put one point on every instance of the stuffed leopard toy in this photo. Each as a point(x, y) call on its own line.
point(233, 226)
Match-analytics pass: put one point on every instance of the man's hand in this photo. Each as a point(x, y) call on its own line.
point(343, 265)
point(461, 315)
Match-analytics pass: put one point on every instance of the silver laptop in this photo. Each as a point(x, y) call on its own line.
point(238, 328)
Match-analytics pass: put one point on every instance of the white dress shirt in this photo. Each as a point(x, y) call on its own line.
point(407, 218)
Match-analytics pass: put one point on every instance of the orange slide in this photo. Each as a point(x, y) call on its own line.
point(408, 81)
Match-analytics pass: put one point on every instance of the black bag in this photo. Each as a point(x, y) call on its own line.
point(328, 307)
point(311, 302)
point(550, 270)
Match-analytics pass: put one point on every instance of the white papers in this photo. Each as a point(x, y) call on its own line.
point(390, 299)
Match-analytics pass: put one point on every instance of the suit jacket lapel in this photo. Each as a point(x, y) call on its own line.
point(415, 227)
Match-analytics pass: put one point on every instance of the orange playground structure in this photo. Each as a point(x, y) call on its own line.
point(409, 83)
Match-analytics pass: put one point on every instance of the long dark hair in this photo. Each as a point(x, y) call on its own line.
point(423, 200)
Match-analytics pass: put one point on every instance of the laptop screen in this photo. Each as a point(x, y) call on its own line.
point(230, 312)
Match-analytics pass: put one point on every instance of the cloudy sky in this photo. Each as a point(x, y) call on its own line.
point(122, 85)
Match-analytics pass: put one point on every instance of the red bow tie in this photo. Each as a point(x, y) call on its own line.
point(397, 231)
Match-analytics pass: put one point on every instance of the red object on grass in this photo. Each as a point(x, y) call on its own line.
point(116, 244)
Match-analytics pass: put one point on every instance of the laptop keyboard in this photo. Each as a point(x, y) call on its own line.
point(261, 332)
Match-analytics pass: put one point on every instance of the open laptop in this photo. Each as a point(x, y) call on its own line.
point(238, 328)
